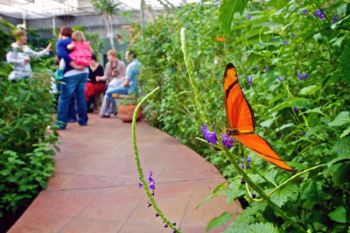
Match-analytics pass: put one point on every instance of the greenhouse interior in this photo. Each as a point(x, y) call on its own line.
point(184, 116)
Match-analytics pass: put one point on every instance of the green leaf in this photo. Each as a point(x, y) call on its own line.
point(338, 215)
point(261, 228)
point(345, 132)
point(227, 10)
point(289, 192)
point(310, 90)
point(219, 221)
point(293, 102)
point(342, 119)
point(342, 146)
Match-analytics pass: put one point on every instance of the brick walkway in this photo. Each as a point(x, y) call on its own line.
point(95, 185)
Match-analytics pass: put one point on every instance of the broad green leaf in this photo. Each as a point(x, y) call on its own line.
point(247, 216)
point(219, 221)
point(345, 132)
point(289, 192)
point(227, 10)
point(261, 228)
point(338, 215)
point(342, 146)
point(310, 90)
point(342, 119)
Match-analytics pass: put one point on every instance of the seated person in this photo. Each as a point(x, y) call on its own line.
point(129, 84)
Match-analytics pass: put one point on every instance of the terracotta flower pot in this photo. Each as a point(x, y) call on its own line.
point(125, 112)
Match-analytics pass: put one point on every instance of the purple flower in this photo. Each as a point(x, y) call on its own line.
point(266, 69)
point(140, 185)
point(152, 185)
point(302, 133)
point(318, 13)
point(250, 79)
point(296, 109)
point(285, 42)
point(280, 78)
point(273, 39)
point(304, 12)
point(302, 76)
point(335, 19)
point(204, 130)
point(209, 136)
point(249, 17)
point(246, 165)
point(227, 141)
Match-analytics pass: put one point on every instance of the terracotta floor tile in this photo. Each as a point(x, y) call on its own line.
point(77, 225)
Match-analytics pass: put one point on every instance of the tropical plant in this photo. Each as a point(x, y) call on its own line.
point(107, 8)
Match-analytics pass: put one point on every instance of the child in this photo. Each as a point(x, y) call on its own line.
point(81, 50)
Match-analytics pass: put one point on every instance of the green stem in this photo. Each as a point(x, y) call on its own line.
point(295, 176)
point(139, 168)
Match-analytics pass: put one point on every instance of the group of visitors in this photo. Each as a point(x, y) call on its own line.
point(80, 78)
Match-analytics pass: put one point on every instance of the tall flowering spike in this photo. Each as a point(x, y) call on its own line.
point(250, 79)
point(227, 141)
point(318, 13)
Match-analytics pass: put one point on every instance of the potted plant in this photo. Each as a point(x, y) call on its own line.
point(126, 107)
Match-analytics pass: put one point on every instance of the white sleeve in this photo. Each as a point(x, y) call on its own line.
point(33, 53)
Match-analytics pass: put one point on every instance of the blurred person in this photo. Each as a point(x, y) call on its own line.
point(19, 56)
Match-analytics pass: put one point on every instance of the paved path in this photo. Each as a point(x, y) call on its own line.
point(95, 187)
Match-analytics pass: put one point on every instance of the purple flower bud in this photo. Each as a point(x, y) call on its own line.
point(318, 13)
point(304, 12)
point(302, 133)
point(165, 226)
point(204, 130)
point(273, 39)
point(300, 76)
point(157, 215)
point(250, 79)
point(152, 185)
point(305, 76)
point(335, 19)
point(249, 159)
point(140, 185)
point(266, 69)
point(285, 42)
point(280, 78)
point(249, 17)
point(242, 181)
point(227, 141)
point(253, 195)
point(296, 109)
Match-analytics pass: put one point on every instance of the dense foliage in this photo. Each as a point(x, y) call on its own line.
point(293, 62)
point(26, 143)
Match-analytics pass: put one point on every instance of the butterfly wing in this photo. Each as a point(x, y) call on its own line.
point(240, 117)
point(239, 114)
point(262, 148)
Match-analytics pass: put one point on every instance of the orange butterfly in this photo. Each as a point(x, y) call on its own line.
point(240, 117)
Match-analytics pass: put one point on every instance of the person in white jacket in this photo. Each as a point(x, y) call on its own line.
point(19, 56)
